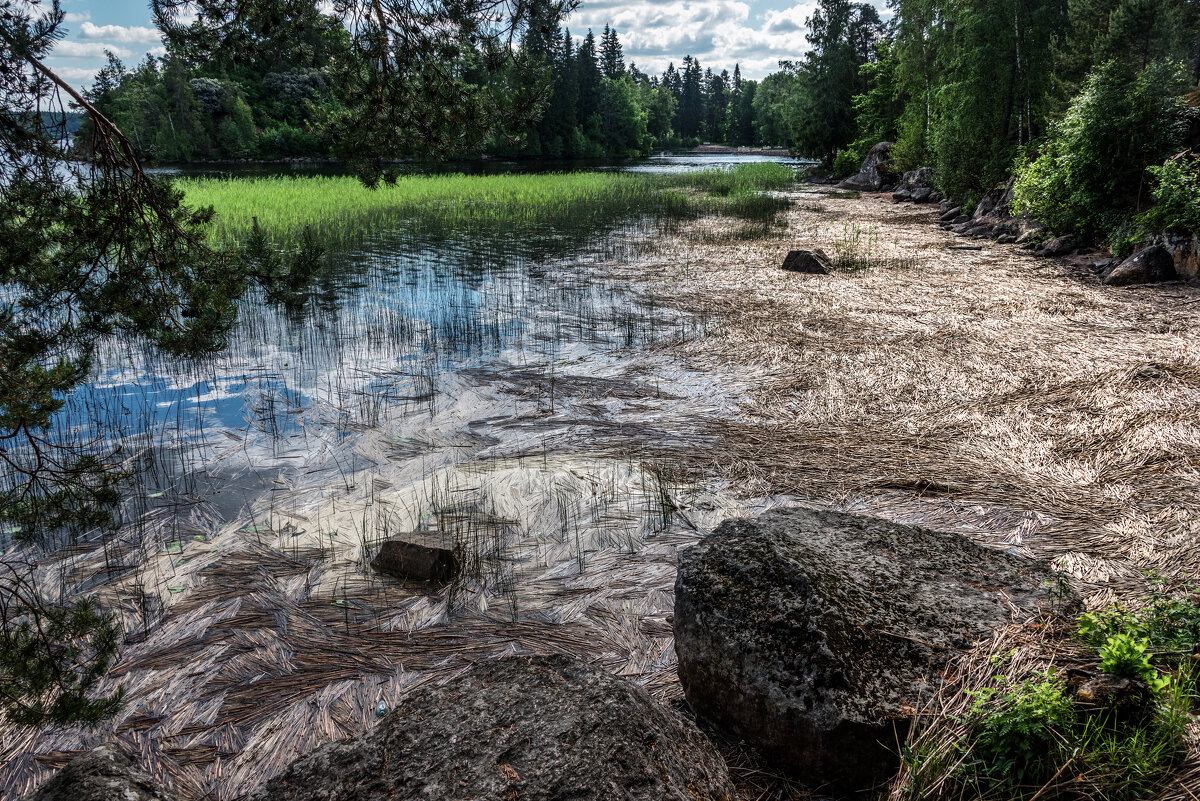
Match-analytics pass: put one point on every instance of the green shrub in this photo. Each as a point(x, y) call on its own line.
point(1124, 238)
point(1170, 620)
point(1090, 174)
point(1177, 197)
point(287, 141)
point(847, 162)
point(1125, 655)
point(1015, 728)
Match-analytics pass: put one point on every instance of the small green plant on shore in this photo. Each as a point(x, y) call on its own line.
point(1176, 196)
point(1170, 620)
point(856, 248)
point(1016, 726)
point(1124, 238)
point(1125, 655)
point(1023, 734)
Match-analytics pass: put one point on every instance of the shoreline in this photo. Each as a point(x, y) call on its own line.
point(1011, 397)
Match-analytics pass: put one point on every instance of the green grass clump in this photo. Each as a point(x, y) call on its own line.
point(340, 210)
point(1028, 737)
point(1020, 732)
point(742, 180)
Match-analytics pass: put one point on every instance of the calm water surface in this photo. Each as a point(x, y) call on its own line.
point(396, 324)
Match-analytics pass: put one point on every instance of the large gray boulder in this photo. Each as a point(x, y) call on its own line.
point(877, 170)
point(105, 773)
point(1058, 246)
point(1147, 266)
point(996, 203)
point(816, 636)
point(528, 728)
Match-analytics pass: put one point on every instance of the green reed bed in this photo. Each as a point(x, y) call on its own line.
point(339, 209)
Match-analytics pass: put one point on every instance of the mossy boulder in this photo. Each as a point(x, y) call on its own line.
point(816, 636)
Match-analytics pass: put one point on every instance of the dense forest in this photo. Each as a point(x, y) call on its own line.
point(1086, 105)
point(199, 106)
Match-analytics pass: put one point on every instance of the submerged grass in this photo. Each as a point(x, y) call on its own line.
point(338, 209)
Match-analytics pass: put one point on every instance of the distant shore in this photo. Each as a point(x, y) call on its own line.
point(750, 151)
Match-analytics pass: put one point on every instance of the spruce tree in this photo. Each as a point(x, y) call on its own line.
point(587, 76)
point(691, 99)
point(612, 62)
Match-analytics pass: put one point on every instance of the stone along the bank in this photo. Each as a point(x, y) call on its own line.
point(528, 728)
point(816, 636)
point(106, 773)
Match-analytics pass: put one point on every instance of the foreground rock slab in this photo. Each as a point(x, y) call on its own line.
point(105, 773)
point(528, 728)
point(816, 636)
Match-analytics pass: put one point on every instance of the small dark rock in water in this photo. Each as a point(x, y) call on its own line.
point(530, 728)
point(817, 636)
point(808, 261)
point(419, 556)
point(1058, 246)
point(103, 774)
point(1147, 266)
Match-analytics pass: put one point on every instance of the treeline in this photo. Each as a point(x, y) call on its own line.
point(200, 106)
point(211, 105)
point(599, 107)
point(1085, 102)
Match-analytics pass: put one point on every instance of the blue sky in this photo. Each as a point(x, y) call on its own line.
point(718, 32)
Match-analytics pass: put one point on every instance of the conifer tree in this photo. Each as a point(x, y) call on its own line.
point(691, 99)
point(587, 76)
point(612, 62)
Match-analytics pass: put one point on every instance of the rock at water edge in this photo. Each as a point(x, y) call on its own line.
point(808, 261)
point(543, 728)
point(815, 636)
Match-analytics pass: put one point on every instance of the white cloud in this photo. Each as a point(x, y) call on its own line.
point(720, 33)
point(68, 49)
point(71, 17)
point(120, 33)
point(80, 76)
